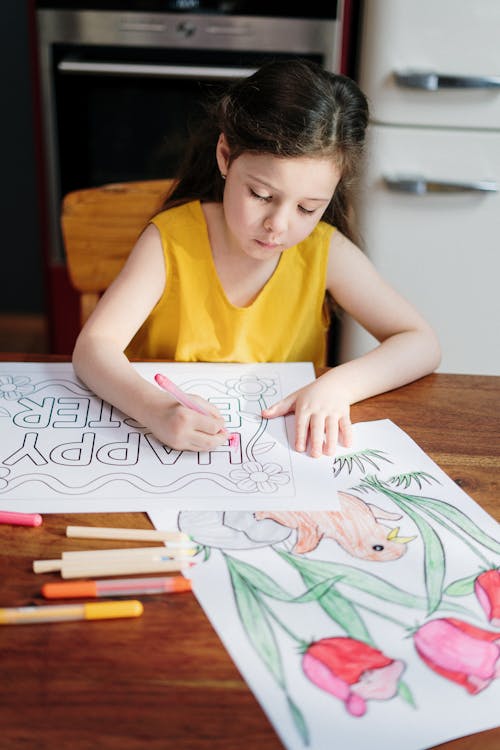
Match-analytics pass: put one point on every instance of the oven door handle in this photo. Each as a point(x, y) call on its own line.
point(431, 81)
point(196, 72)
point(417, 185)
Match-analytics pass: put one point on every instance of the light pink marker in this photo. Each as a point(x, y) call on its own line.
point(20, 519)
point(183, 399)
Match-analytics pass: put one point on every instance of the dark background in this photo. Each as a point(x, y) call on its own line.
point(23, 287)
point(21, 263)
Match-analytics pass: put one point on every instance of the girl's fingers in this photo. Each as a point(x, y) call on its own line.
point(209, 425)
point(189, 427)
point(316, 435)
point(331, 435)
point(203, 443)
point(280, 408)
point(301, 430)
point(345, 430)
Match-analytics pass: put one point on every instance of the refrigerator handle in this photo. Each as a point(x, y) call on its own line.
point(151, 70)
point(431, 81)
point(417, 185)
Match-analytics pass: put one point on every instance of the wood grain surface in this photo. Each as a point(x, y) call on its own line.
point(164, 680)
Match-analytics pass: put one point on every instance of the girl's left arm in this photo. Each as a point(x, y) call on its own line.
point(408, 349)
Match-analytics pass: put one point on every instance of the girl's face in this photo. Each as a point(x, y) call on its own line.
point(271, 203)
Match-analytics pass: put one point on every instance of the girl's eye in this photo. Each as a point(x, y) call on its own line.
point(268, 199)
point(265, 198)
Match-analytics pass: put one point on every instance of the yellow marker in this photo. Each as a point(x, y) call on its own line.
point(70, 612)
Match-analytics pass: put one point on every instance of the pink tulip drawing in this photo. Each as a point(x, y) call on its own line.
point(487, 588)
point(352, 671)
point(463, 653)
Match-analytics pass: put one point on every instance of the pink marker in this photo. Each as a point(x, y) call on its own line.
point(183, 399)
point(20, 519)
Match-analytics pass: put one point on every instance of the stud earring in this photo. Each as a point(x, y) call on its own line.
point(223, 176)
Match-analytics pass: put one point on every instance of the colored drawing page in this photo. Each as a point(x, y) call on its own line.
point(373, 624)
point(64, 449)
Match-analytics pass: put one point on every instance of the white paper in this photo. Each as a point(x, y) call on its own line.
point(429, 581)
point(64, 450)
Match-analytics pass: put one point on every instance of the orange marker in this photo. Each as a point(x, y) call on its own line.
point(116, 587)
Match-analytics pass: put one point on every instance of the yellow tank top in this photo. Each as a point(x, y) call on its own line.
point(194, 321)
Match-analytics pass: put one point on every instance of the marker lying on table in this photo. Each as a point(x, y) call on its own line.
point(183, 399)
point(116, 587)
point(20, 519)
point(70, 612)
point(123, 560)
point(135, 535)
point(99, 568)
point(156, 553)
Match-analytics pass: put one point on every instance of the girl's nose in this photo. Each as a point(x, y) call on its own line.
point(276, 222)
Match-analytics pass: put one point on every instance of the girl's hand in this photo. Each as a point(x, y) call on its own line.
point(321, 414)
point(185, 429)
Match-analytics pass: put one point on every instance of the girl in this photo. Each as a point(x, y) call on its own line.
point(236, 267)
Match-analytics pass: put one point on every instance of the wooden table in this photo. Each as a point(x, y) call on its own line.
point(164, 680)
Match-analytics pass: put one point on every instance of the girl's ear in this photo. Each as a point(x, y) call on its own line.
point(222, 153)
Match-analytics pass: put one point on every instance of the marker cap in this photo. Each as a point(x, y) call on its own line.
point(70, 612)
point(78, 590)
point(20, 519)
point(108, 610)
point(178, 584)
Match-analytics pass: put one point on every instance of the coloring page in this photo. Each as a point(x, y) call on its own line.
point(62, 449)
point(374, 624)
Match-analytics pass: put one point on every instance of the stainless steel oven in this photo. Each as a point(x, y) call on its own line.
point(121, 81)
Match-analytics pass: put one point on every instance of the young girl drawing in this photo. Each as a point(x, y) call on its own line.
point(236, 267)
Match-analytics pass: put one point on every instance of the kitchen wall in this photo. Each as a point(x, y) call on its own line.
point(22, 287)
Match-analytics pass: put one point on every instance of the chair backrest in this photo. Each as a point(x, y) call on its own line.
point(100, 226)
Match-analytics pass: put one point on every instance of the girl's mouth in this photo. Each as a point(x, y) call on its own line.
point(268, 245)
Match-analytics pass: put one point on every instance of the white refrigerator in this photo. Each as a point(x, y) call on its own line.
point(429, 203)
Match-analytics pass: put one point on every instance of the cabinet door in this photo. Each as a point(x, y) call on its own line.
point(440, 249)
point(458, 40)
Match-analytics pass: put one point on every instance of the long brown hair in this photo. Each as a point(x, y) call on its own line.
point(288, 108)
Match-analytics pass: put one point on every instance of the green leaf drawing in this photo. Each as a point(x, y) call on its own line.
point(369, 583)
point(258, 579)
point(462, 586)
point(417, 477)
point(460, 519)
point(299, 721)
point(317, 591)
point(335, 604)
point(359, 579)
point(268, 586)
point(434, 557)
point(360, 458)
point(405, 693)
point(257, 627)
point(254, 617)
point(343, 612)
point(434, 561)
point(207, 551)
point(432, 505)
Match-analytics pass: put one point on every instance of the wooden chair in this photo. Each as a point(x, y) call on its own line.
point(100, 226)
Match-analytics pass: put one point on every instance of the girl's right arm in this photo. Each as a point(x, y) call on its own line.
point(99, 358)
